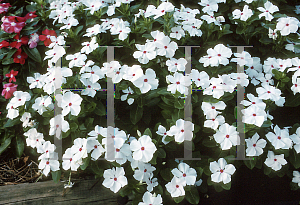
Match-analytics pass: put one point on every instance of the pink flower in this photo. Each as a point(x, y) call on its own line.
point(4, 7)
point(4, 44)
point(11, 75)
point(8, 90)
point(31, 15)
point(13, 24)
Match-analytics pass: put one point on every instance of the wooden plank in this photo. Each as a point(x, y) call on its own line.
point(49, 192)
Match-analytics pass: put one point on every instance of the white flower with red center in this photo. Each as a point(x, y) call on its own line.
point(143, 148)
point(268, 9)
point(209, 6)
point(127, 92)
point(219, 55)
point(93, 5)
point(57, 41)
point(210, 109)
point(162, 9)
point(34, 139)
point(145, 52)
point(49, 164)
point(166, 48)
point(79, 149)
point(255, 145)
point(275, 161)
point(144, 172)
point(122, 30)
point(268, 92)
point(91, 88)
point(179, 83)
point(281, 138)
point(150, 11)
point(296, 85)
point(177, 32)
point(78, 59)
point(151, 183)
point(56, 53)
point(25, 119)
point(93, 145)
point(270, 64)
point(71, 103)
point(11, 111)
point(149, 199)
point(20, 98)
point(121, 154)
point(183, 130)
point(93, 31)
point(69, 22)
point(254, 115)
point(253, 101)
point(241, 78)
point(114, 179)
point(47, 149)
point(58, 124)
point(287, 25)
point(296, 63)
point(175, 187)
point(193, 27)
point(221, 171)
point(176, 64)
point(119, 137)
point(284, 63)
point(243, 58)
point(213, 122)
point(133, 73)
point(227, 136)
point(68, 161)
point(89, 47)
point(93, 74)
point(98, 130)
point(147, 82)
point(242, 15)
point(200, 79)
point(37, 81)
point(254, 68)
point(43, 104)
point(273, 34)
point(215, 89)
point(86, 66)
point(109, 69)
point(228, 83)
point(162, 132)
point(296, 174)
point(186, 173)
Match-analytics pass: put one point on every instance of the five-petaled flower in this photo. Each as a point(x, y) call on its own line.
point(20, 57)
point(221, 171)
point(11, 75)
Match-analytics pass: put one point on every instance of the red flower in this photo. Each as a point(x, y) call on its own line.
point(4, 7)
point(19, 57)
point(4, 44)
point(10, 24)
point(11, 75)
point(19, 42)
point(8, 90)
point(30, 15)
point(46, 36)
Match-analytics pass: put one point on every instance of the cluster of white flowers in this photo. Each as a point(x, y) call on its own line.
point(18, 100)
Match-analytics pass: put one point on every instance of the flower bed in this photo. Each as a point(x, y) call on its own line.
point(160, 99)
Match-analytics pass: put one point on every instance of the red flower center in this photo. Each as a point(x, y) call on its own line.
point(178, 83)
point(253, 103)
point(47, 162)
point(145, 170)
point(184, 175)
point(182, 130)
point(95, 146)
point(279, 137)
point(268, 92)
point(145, 80)
point(227, 136)
point(89, 86)
point(213, 107)
point(92, 72)
point(275, 160)
point(142, 148)
point(115, 179)
point(20, 99)
point(145, 52)
point(162, 11)
point(57, 126)
point(70, 159)
point(254, 145)
point(177, 186)
point(221, 170)
point(287, 24)
point(80, 149)
point(70, 104)
point(166, 47)
point(219, 54)
point(254, 114)
point(117, 150)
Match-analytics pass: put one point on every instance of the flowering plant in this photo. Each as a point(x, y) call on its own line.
point(59, 54)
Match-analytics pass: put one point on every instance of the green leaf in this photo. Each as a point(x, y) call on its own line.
point(78, 29)
point(295, 159)
point(226, 186)
point(7, 61)
point(178, 199)
point(100, 109)
point(86, 162)
point(192, 194)
point(292, 100)
point(11, 123)
point(136, 113)
point(19, 145)
point(250, 163)
point(73, 126)
point(166, 174)
point(56, 176)
point(5, 145)
point(33, 53)
point(161, 153)
point(179, 104)
point(209, 142)
point(148, 132)
point(125, 191)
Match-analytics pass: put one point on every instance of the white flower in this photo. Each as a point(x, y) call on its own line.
point(221, 171)
point(57, 41)
point(161, 130)
point(210, 109)
point(148, 198)
point(68, 161)
point(56, 53)
point(296, 177)
point(71, 102)
point(255, 145)
point(48, 164)
point(216, 89)
point(296, 139)
point(93, 31)
point(214, 121)
point(76, 60)
point(58, 124)
point(133, 73)
point(227, 136)
point(147, 82)
point(166, 48)
point(146, 52)
point(143, 148)
point(273, 33)
point(93, 144)
point(267, 11)
point(124, 97)
point(89, 46)
point(243, 58)
point(268, 92)
point(121, 154)
point(144, 172)
point(19, 98)
point(176, 64)
point(119, 136)
point(287, 25)
point(179, 83)
point(186, 173)
point(34, 139)
point(25, 119)
point(42, 103)
point(12, 112)
point(69, 22)
point(122, 30)
point(209, 6)
point(200, 79)
point(183, 130)
point(241, 78)
point(162, 9)
point(79, 149)
point(254, 115)
point(114, 179)
point(151, 183)
point(177, 32)
point(93, 74)
point(254, 101)
point(37, 81)
point(275, 161)
point(242, 15)
point(281, 138)
point(175, 187)
point(219, 55)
